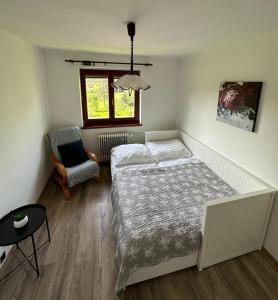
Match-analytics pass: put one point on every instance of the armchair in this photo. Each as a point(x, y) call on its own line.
point(71, 176)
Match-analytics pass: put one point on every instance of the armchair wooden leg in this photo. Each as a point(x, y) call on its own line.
point(66, 192)
point(98, 179)
point(62, 176)
point(64, 187)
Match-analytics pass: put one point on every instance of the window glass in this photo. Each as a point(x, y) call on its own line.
point(97, 98)
point(124, 103)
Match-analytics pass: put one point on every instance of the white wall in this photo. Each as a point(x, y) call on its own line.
point(24, 119)
point(158, 104)
point(199, 80)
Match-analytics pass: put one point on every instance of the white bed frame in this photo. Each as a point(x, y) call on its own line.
point(232, 226)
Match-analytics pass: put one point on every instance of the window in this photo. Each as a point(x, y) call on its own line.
point(102, 105)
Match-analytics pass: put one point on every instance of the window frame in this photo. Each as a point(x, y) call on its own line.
point(111, 121)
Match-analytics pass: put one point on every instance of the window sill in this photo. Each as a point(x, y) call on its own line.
point(111, 125)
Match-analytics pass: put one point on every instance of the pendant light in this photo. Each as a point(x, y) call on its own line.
point(131, 81)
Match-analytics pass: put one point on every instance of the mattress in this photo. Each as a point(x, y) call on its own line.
point(158, 212)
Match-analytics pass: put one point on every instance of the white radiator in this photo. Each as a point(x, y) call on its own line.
point(107, 141)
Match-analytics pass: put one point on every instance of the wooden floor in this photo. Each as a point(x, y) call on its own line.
point(78, 262)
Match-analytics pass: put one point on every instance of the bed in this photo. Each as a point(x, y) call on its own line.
point(174, 215)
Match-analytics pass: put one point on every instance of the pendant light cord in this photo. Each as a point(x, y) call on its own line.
point(131, 33)
point(131, 58)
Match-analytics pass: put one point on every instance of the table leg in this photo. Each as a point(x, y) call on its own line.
point(35, 254)
point(48, 232)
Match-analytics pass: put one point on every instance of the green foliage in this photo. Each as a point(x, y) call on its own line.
point(19, 216)
point(98, 103)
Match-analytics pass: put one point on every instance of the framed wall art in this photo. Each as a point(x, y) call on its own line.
point(238, 103)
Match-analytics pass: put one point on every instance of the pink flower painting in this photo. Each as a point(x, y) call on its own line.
point(238, 103)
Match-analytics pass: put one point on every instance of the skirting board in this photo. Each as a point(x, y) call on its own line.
point(7, 250)
point(274, 260)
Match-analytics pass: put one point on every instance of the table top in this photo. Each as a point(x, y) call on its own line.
point(9, 235)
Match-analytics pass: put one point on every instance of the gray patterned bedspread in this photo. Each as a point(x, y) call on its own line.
point(158, 213)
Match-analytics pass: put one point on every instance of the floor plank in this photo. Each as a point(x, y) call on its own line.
point(78, 262)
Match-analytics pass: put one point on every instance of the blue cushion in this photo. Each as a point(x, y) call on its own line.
point(73, 154)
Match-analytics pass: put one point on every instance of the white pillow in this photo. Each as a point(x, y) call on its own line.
point(131, 154)
point(168, 150)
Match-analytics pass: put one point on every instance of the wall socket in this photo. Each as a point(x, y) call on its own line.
point(3, 256)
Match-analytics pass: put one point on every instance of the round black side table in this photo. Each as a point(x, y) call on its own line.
point(9, 235)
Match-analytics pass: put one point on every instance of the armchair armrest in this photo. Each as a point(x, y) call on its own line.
point(63, 178)
point(92, 156)
point(60, 167)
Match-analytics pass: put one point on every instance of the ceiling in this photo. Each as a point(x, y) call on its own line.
point(171, 27)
